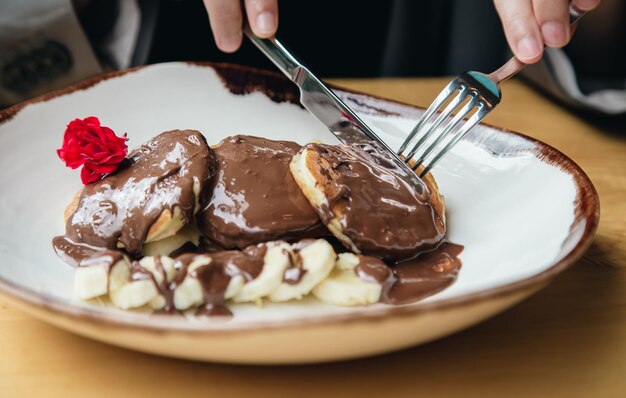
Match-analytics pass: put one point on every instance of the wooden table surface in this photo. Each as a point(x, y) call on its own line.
point(569, 340)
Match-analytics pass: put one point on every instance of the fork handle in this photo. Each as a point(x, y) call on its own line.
point(514, 65)
point(275, 51)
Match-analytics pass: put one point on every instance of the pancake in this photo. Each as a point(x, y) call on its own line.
point(363, 199)
point(253, 197)
point(153, 194)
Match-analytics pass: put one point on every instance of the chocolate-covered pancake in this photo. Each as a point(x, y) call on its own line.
point(253, 197)
point(363, 199)
point(150, 197)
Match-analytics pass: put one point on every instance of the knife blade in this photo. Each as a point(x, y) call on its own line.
point(322, 103)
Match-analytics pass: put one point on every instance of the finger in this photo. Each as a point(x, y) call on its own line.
point(262, 17)
point(521, 29)
point(553, 19)
point(226, 23)
point(587, 5)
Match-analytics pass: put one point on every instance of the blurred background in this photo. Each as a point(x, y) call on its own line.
point(48, 44)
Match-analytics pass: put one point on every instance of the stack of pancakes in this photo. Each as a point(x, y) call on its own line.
point(176, 226)
point(248, 190)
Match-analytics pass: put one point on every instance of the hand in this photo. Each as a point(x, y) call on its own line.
point(531, 24)
point(226, 18)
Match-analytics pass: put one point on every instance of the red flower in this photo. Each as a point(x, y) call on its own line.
point(86, 143)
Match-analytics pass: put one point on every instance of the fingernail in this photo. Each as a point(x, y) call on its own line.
point(554, 34)
point(586, 4)
point(266, 23)
point(528, 48)
point(229, 43)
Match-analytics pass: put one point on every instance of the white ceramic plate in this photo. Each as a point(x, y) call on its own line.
point(523, 211)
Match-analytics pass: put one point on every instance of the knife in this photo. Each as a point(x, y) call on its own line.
point(318, 99)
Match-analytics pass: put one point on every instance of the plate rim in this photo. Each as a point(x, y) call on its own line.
point(588, 209)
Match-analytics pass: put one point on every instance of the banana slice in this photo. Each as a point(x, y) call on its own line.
point(275, 261)
point(344, 287)
point(318, 259)
point(91, 282)
point(332, 279)
point(157, 271)
point(190, 293)
point(134, 294)
point(162, 268)
point(126, 293)
point(97, 275)
point(163, 271)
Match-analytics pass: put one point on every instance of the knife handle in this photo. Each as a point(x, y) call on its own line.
point(275, 51)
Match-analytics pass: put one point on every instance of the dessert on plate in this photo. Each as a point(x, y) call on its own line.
point(181, 226)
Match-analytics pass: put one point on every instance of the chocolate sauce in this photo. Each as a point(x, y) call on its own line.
point(214, 281)
point(73, 253)
point(425, 275)
point(293, 275)
point(294, 272)
point(187, 247)
point(379, 210)
point(119, 210)
point(214, 277)
point(213, 310)
point(254, 197)
point(411, 280)
point(107, 257)
point(206, 245)
point(372, 269)
point(248, 263)
point(165, 288)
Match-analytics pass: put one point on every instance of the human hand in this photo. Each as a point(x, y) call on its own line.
point(226, 18)
point(530, 25)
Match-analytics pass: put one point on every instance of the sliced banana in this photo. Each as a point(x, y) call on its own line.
point(137, 293)
point(91, 282)
point(99, 276)
point(344, 287)
point(318, 259)
point(163, 271)
point(275, 262)
point(162, 268)
point(134, 294)
point(189, 293)
point(330, 278)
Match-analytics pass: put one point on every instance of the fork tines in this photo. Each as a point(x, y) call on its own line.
point(437, 132)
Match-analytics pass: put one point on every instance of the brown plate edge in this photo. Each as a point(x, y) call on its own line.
point(253, 79)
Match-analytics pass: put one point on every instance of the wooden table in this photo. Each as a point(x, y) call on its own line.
point(569, 340)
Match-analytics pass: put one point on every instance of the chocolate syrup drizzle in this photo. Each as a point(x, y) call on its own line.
point(411, 280)
point(295, 271)
point(215, 276)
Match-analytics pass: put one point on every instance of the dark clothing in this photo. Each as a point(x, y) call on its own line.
point(338, 38)
point(350, 38)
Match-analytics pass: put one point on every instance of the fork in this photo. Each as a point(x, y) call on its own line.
point(477, 94)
